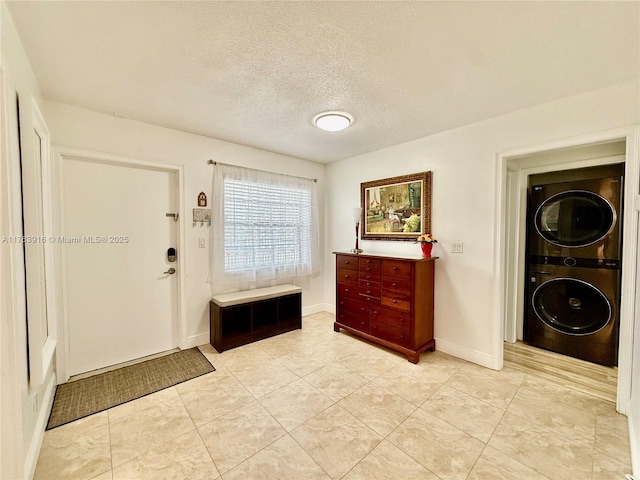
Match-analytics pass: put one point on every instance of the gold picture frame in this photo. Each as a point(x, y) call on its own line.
point(396, 208)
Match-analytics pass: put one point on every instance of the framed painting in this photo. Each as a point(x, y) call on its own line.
point(397, 208)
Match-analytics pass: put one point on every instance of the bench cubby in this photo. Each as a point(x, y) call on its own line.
point(239, 318)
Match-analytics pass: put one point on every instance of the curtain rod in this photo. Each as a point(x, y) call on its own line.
point(212, 162)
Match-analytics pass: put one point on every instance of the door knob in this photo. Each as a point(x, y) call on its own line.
point(171, 271)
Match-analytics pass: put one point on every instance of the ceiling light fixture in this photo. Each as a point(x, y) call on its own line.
point(333, 121)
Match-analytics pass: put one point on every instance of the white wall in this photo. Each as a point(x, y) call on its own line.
point(79, 128)
point(464, 202)
point(25, 408)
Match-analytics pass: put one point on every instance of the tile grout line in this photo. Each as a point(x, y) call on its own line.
point(486, 445)
point(155, 446)
point(208, 453)
point(198, 431)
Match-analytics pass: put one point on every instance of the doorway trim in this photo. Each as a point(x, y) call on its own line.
point(510, 244)
point(62, 153)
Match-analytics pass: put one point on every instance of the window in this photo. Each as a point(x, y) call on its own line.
point(264, 226)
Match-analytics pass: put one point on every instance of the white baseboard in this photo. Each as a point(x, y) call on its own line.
point(480, 358)
point(32, 454)
point(197, 340)
point(318, 308)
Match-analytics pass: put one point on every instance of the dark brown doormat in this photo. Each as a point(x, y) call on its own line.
point(81, 398)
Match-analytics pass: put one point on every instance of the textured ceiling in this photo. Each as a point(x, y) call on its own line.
point(255, 73)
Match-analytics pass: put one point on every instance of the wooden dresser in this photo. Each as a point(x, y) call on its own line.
point(387, 300)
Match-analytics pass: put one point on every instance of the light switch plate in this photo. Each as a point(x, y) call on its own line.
point(201, 243)
point(456, 247)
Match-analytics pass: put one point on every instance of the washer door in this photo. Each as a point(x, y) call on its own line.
point(575, 218)
point(571, 306)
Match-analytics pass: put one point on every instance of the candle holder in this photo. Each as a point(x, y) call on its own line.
point(357, 214)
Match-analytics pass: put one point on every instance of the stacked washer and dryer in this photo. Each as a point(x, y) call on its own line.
point(573, 262)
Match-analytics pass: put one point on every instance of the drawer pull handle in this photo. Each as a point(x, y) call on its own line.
point(394, 284)
point(347, 262)
point(347, 276)
point(394, 268)
point(395, 301)
point(346, 289)
point(375, 312)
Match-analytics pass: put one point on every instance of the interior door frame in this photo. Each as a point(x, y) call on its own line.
point(63, 152)
point(509, 280)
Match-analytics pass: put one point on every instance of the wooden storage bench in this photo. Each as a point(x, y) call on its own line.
point(243, 317)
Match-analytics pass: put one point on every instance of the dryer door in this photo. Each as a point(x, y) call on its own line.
point(575, 218)
point(571, 306)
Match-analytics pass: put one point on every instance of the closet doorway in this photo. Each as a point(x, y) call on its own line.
point(517, 166)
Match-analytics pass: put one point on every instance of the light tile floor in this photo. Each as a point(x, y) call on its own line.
point(315, 404)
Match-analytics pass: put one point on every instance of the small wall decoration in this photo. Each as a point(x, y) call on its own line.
point(202, 199)
point(397, 208)
point(202, 216)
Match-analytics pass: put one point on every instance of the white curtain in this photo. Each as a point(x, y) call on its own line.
point(264, 227)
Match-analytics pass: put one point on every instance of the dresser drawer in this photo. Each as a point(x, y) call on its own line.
point(373, 291)
point(370, 301)
point(395, 301)
point(353, 306)
point(396, 268)
point(347, 262)
point(353, 321)
point(397, 284)
point(347, 290)
point(368, 284)
point(370, 277)
point(369, 262)
point(395, 318)
point(369, 267)
point(390, 333)
point(347, 276)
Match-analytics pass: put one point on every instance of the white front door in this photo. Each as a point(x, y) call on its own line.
point(121, 305)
